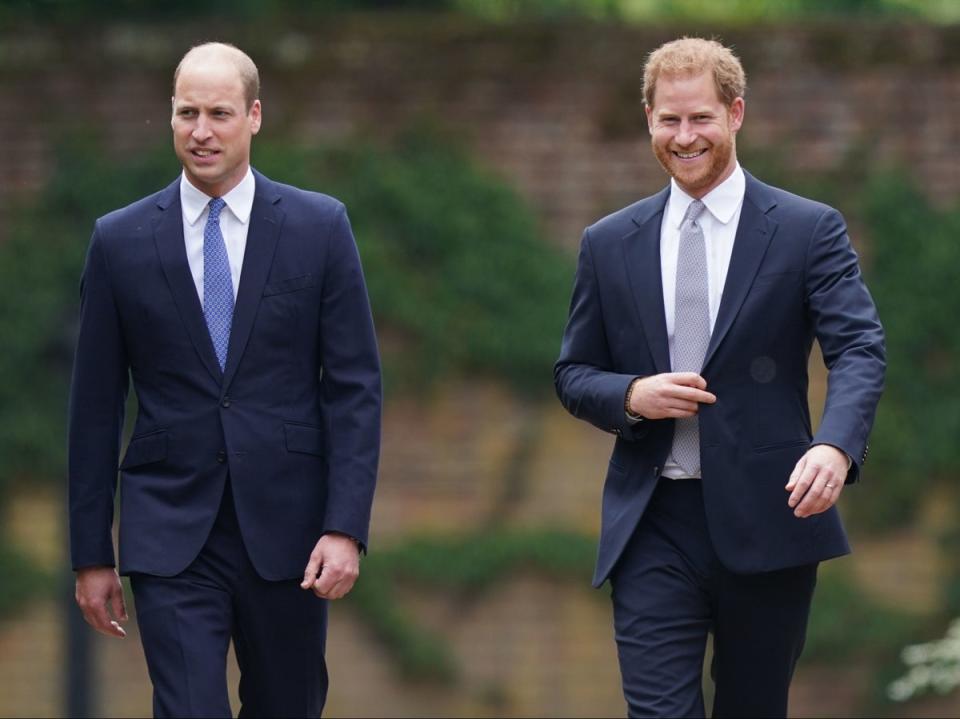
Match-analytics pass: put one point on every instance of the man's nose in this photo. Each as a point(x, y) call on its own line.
point(201, 131)
point(686, 135)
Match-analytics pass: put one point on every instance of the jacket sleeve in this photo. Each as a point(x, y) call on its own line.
point(98, 392)
point(851, 338)
point(350, 386)
point(585, 378)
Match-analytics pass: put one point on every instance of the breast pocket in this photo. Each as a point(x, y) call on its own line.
point(293, 284)
point(775, 304)
point(288, 307)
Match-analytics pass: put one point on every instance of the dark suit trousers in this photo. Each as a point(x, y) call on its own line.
point(187, 621)
point(670, 591)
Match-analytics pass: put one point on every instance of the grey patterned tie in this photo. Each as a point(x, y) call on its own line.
point(691, 327)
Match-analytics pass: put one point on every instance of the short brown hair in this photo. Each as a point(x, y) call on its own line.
point(692, 56)
point(249, 75)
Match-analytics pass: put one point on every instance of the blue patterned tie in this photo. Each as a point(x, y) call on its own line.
point(217, 283)
point(691, 330)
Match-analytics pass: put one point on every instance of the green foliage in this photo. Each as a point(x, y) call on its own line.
point(459, 278)
point(40, 263)
point(914, 259)
point(729, 11)
point(21, 581)
point(949, 540)
point(638, 11)
point(466, 566)
point(78, 10)
point(845, 623)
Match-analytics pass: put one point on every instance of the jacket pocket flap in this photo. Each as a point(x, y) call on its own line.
point(145, 449)
point(304, 438)
point(290, 285)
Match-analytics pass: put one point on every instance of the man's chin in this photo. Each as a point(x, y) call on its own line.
point(208, 173)
point(205, 176)
point(690, 181)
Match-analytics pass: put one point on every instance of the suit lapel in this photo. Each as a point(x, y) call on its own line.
point(262, 236)
point(642, 253)
point(754, 233)
point(168, 236)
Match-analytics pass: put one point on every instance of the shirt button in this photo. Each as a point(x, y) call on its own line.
point(221, 456)
point(225, 403)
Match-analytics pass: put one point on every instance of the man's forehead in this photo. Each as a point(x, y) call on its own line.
point(213, 72)
point(686, 90)
point(208, 94)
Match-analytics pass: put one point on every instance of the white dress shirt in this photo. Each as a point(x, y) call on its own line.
point(233, 225)
point(719, 225)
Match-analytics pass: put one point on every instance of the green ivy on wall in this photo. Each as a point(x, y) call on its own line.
point(460, 280)
point(468, 565)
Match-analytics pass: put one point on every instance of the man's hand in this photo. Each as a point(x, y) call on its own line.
point(333, 567)
point(817, 480)
point(671, 394)
point(100, 597)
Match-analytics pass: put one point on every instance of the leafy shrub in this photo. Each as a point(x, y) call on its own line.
point(458, 275)
point(913, 277)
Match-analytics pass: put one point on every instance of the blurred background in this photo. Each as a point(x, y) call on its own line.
point(472, 140)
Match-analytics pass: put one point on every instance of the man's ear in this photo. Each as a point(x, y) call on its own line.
point(736, 112)
point(256, 117)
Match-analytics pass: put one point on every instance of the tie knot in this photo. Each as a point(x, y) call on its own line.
point(694, 210)
point(216, 204)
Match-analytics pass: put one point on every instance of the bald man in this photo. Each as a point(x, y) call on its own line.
point(238, 308)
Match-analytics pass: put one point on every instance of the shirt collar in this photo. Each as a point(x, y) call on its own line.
point(722, 201)
point(239, 200)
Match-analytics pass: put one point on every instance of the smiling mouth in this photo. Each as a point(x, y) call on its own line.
point(689, 155)
point(203, 153)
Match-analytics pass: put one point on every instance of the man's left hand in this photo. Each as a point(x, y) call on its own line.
point(817, 480)
point(333, 567)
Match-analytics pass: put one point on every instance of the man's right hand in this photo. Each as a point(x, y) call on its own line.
point(669, 395)
point(100, 597)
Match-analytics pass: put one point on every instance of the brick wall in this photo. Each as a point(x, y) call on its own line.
point(556, 110)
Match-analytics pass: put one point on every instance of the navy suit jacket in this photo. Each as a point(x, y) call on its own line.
point(793, 277)
point(294, 418)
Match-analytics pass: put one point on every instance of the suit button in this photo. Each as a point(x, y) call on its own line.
point(225, 403)
point(221, 456)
